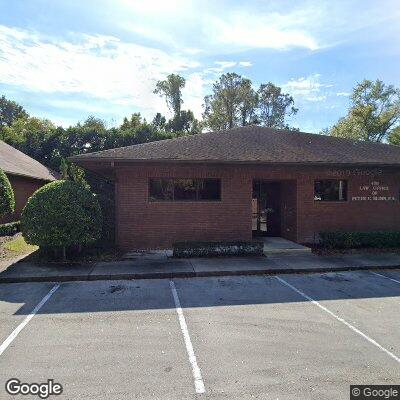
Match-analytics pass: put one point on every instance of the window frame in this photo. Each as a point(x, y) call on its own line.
point(332, 201)
point(196, 200)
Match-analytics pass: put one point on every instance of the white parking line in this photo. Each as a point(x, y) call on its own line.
point(198, 380)
point(22, 325)
point(384, 276)
point(353, 328)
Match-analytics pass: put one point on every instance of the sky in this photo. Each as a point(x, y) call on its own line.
point(68, 59)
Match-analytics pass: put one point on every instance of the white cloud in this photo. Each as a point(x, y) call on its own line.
point(221, 66)
point(316, 98)
point(343, 94)
point(225, 64)
point(224, 27)
point(245, 64)
point(308, 88)
point(102, 67)
point(273, 30)
point(194, 92)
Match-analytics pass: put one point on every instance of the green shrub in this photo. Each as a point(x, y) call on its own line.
point(7, 200)
point(217, 249)
point(61, 214)
point(10, 229)
point(352, 240)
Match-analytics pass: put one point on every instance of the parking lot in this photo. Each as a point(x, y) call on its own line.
point(263, 337)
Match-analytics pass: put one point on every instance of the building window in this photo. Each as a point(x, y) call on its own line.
point(166, 189)
point(330, 190)
point(185, 189)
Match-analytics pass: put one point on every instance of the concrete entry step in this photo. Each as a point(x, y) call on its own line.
point(279, 245)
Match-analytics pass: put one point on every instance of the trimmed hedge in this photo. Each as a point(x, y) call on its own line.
point(352, 240)
point(7, 199)
point(61, 214)
point(217, 249)
point(10, 229)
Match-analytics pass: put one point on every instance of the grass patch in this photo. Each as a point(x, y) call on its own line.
point(16, 247)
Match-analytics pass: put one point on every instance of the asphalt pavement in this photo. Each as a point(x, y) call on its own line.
point(292, 336)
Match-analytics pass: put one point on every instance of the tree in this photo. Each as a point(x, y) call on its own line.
point(32, 136)
point(248, 104)
point(185, 123)
point(394, 137)
point(71, 171)
point(171, 89)
point(231, 104)
point(159, 121)
point(7, 199)
point(10, 111)
point(61, 214)
point(234, 102)
point(374, 114)
point(182, 121)
point(274, 106)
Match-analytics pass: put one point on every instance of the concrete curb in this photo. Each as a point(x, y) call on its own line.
point(171, 275)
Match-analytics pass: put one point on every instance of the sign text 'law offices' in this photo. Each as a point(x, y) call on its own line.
point(372, 190)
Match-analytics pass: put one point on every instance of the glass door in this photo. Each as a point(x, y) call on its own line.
point(266, 216)
point(259, 209)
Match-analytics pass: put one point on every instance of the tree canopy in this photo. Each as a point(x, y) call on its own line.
point(61, 214)
point(374, 114)
point(182, 121)
point(231, 103)
point(234, 102)
point(274, 106)
point(394, 137)
point(7, 200)
point(10, 111)
point(171, 89)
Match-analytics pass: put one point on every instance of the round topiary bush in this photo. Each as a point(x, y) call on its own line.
point(7, 200)
point(61, 214)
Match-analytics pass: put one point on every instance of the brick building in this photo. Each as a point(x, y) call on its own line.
point(246, 182)
point(25, 174)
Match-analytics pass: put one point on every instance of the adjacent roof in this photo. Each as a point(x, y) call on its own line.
point(255, 144)
point(14, 162)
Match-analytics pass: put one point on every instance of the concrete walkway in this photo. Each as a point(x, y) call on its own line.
point(279, 245)
point(160, 265)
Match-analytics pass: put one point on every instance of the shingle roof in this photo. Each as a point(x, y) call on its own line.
point(14, 162)
point(255, 144)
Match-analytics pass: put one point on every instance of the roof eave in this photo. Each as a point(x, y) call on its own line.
point(30, 176)
point(112, 161)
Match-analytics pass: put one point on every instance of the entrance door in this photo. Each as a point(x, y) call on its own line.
point(266, 204)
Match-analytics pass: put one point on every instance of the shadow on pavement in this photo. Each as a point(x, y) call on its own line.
point(137, 295)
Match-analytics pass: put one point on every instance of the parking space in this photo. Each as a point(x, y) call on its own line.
point(16, 301)
point(260, 338)
point(104, 340)
point(392, 275)
point(292, 336)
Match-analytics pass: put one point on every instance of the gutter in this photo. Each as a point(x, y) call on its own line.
point(78, 160)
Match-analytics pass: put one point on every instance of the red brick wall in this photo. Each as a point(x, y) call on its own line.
point(352, 215)
point(143, 224)
point(23, 189)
